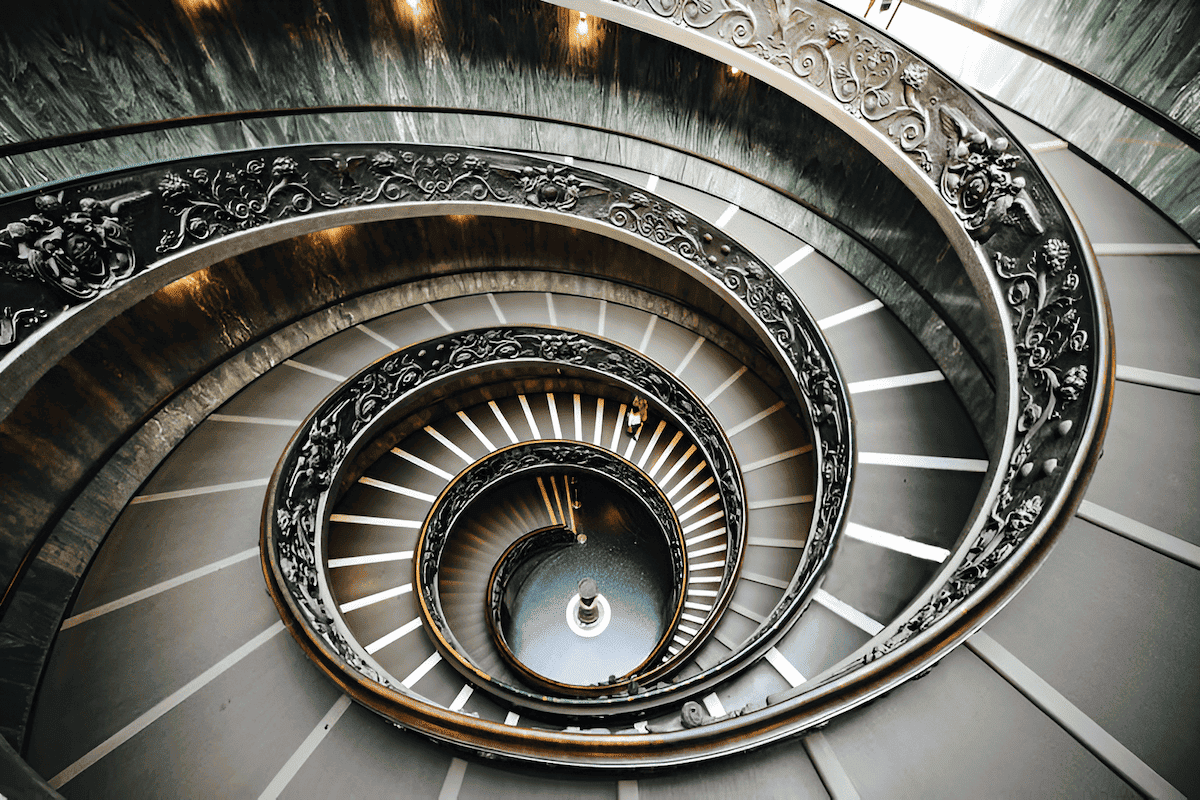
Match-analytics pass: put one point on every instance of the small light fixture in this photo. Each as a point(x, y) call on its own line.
point(582, 27)
point(415, 5)
point(734, 71)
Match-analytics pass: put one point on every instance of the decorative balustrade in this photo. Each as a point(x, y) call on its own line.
point(61, 252)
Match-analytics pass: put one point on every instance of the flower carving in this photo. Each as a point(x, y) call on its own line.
point(555, 187)
point(915, 75)
point(978, 180)
point(79, 253)
point(1026, 513)
point(476, 165)
point(1056, 252)
point(1073, 383)
point(284, 169)
point(551, 347)
point(383, 163)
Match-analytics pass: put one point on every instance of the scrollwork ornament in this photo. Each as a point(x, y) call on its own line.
point(219, 201)
point(315, 457)
point(978, 180)
point(426, 176)
point(733, 20)
point(14, 320)
point(1053, 351)
point(658, 222)
point(867, 77)
point(78, 249)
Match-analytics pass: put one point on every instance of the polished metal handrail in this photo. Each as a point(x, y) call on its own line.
point(300, 498)
point(580, 458)
point(671, 399)
point(1020, 246)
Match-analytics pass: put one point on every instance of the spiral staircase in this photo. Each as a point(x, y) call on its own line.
point(185, 651)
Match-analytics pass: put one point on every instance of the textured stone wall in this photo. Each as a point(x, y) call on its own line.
point(1149, 49)
point(87, 66)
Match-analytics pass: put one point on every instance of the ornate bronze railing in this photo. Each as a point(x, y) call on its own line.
point(1021, 246)
point(513, 461)
point(299, 502)
point(1022, 251)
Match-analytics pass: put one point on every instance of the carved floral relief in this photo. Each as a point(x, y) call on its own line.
point(986, 183)
point(217, 202)
point(77, 249)
point(80, 247)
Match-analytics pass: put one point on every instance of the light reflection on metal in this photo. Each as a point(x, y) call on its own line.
point(333, 236)
point(183, 291)
point(441, 535)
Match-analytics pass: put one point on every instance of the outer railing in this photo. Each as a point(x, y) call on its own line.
point(1017, 240)
point(1019, 243)
point(1144, 109)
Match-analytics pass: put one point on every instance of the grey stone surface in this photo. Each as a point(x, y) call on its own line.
point(961, 732)
point(20, 782)
point(1134, 673)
